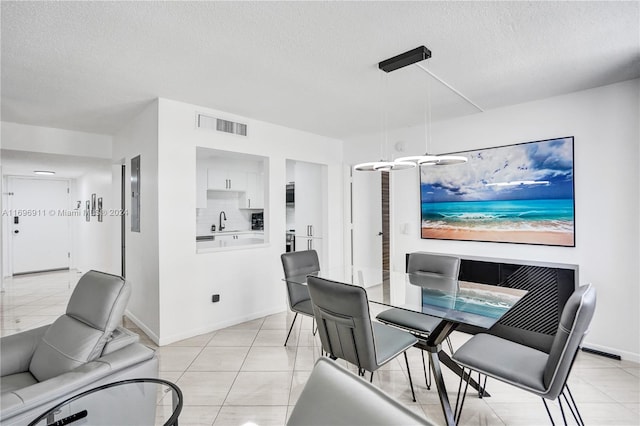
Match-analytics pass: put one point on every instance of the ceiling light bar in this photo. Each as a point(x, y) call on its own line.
point(44, 172)
point(405, 59)
point(450, 87)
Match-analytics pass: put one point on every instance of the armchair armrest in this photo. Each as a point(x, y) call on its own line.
point(17, 350)
point(120, 337)
point(17, 406)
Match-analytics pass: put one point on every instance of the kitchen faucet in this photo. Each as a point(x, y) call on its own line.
point(222, 215)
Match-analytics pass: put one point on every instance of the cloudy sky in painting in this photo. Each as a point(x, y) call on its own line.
point(504, 173)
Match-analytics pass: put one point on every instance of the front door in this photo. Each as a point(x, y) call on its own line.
point(40, 224)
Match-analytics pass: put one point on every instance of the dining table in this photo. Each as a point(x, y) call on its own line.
point(454, 301)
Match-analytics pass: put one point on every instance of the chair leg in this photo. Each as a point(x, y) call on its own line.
point(548, 412)
point(484, 385)
point(564, 419)
point(457, 413)
point(427, 378)
point(450, 345)
point(406, 360)
point(313, 325)
point(291, 328)
point(576, 415)
point(371, 378)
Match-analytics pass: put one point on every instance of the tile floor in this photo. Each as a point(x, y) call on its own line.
point(242, 375)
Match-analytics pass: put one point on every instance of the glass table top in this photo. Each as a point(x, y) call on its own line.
point(134, 402)
point(462, 302)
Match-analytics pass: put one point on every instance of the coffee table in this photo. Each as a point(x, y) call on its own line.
point(134, 402)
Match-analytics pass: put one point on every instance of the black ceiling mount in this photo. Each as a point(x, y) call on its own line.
point(407, 58)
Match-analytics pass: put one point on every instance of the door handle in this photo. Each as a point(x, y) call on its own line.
point(311, 230)
point(380, 234)
point(309, 244)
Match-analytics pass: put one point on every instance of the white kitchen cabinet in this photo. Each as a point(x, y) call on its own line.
point(308, 199)
point(309, 207)
point(226, 180)
point(254, 195)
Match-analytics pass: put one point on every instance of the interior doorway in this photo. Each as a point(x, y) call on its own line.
point(123, 219)
point(39, 216)
point(306, 209)
point(370, 230)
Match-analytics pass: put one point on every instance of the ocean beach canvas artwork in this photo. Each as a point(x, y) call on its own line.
point(521, 193)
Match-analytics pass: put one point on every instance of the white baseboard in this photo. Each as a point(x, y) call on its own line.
point(142, 326)
point(201, 330)
point(219, 325)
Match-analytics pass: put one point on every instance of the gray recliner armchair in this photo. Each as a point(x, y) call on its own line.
point(82, 349)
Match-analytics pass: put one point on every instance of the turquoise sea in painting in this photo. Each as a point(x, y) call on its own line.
point(555, 215)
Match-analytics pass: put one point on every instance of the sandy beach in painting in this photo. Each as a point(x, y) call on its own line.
point(529, 237)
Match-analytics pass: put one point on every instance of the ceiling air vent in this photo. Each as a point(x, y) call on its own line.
point(212, 123)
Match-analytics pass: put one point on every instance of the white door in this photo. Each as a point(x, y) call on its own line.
point(366, 201)
point(40, 237)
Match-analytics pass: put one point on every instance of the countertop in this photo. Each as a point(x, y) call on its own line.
point(210, 235)
point(248, 239)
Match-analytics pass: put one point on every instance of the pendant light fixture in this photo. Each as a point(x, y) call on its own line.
point(409, 58)
point(428, 159)
point(384, 165)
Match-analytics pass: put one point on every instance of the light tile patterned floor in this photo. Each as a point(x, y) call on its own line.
point(243, 375)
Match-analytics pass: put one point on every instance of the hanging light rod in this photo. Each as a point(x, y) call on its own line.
point(450, 87)
point(405, 59)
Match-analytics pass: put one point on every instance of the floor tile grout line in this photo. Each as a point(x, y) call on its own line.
point(238, 372)
point(295, 361)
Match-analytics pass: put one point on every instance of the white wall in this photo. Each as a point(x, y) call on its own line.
point(140, 137)
point(22, 137)
point(604, 122)
point(248, 281)
point(96, 238)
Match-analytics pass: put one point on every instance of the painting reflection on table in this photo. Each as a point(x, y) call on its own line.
point(474, 298)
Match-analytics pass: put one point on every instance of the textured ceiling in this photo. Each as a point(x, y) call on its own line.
point(91, 66)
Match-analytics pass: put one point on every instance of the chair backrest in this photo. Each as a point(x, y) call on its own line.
point(298, 263)
point(95, 309)
point(447, 266)
point(574, 325)
point(335, 396)
point(344, 323)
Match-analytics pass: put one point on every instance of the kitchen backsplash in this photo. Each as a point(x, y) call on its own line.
point(228, 202)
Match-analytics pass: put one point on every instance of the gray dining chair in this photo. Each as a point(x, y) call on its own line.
point(335, 396)
point(295, 264)
point(421, 325)
point(347, 332)
point(530, 369)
